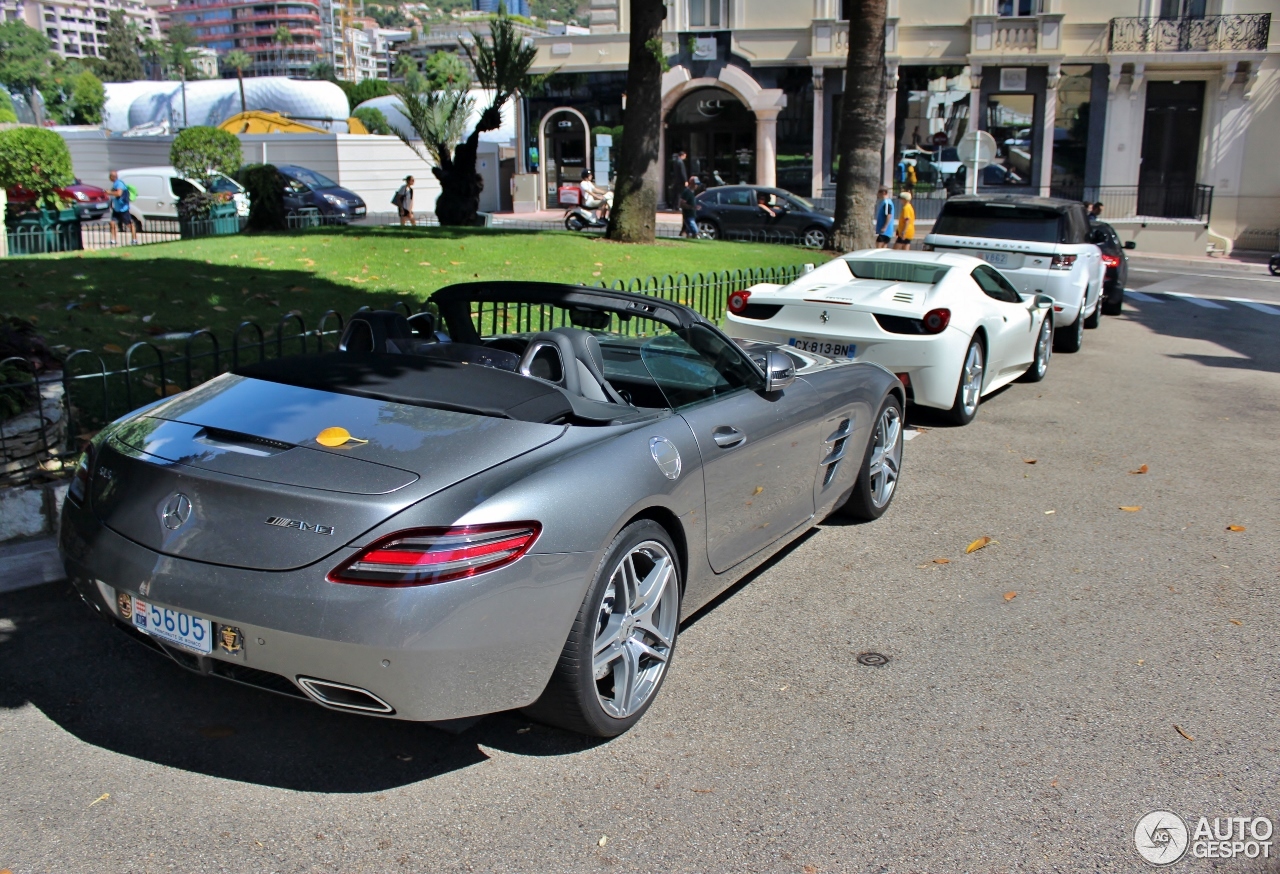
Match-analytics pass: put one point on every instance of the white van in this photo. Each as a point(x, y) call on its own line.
point(160, 188)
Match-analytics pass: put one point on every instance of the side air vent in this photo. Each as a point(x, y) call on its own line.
point(344, 697)
point(836, 444)
point(904, 297)
point(759, 311)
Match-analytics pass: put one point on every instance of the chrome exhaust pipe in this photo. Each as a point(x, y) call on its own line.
point(343, 697)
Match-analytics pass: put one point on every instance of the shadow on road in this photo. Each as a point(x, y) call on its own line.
point(1246, 332)
point(108, 691)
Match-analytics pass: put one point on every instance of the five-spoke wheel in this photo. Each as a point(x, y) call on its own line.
point(969, 392)
point(881, 467)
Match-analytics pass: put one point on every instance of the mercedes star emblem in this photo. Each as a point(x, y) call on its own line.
point(177, 510)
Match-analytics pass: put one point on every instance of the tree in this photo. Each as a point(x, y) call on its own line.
point(283, 39)
point(181, 38)
point(502, 65)
point(25, 63)
point(373, 120)
point(634, 216)
point(7, 113)
point(861, 127)
point(200, 152)
point(73, 95)
point(120, 60)
point(322, 69)
point(239, 61)
point(38, 160)
point(446, 68)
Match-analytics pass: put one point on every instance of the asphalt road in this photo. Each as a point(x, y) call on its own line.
point(1025, 721)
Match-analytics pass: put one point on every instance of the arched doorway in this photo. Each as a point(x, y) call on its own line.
point(564, 147)
point(719, 132)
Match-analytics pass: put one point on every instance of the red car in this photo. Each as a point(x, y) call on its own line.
point(89, 201)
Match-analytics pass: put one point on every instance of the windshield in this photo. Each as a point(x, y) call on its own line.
point(1000, 222)
point(803, 203)
point(948, 154)
point(224, 185)
point(897, 271)
point(310, 178)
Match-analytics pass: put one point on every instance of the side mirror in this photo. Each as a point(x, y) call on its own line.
point(779, 370)
point(1043, 301)
point(1131, 245)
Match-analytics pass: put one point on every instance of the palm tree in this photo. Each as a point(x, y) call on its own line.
point(635, 206)
point(239, 61)
point(283, 39)
point(861, 127)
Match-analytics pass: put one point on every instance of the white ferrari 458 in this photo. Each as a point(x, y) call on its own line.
point(950, 326)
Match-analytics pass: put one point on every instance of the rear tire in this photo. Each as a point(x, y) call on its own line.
point(1069, 338)
point(881, 466)
point(969, 390)
point(708, 230)
point(1274, 265)
point(1096, 318)
point(1113, 307)
point(620, 646)
point(573, 223)
point(815, 238)
point(1043, 352)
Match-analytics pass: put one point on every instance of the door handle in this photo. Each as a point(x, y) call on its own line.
point(728, 437)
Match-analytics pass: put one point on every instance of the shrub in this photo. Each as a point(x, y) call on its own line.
point(266, 197)
point(199, 152)
point(7, 112)
point(38, 160)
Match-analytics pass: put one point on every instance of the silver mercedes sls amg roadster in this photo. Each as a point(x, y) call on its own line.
point(509, 502)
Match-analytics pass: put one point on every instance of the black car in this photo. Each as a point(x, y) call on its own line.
point(733, 212)
point(1105, 238)
point(307, 189)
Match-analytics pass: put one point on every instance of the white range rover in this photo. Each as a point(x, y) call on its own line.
point(1040, 244)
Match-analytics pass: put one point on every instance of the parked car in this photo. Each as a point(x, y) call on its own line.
point(945, 162)
point(732, 212)
point(89, 201)
point(307, 189)
point(521, 520)
point(1116, 263)
point(160, 189)
point(1041, 245)
point(949, 325)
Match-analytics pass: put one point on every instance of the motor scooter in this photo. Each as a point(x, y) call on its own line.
point(579, 218)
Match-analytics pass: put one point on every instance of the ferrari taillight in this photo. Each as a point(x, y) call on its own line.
point(738, 301)
point(936, 321)
point(1111, 260)
point(421, 556)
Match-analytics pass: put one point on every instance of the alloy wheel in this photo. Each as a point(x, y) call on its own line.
point(635, 628)
point(708, 231)
point(886, 456)
point(972, 377)
point(1044, 347)
point(815, 238)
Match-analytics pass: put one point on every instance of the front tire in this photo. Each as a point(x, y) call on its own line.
point(1044, 350)
point(708, 230)
point(969, 391)
point(574, 223)
point(615, 660)
point(881, 466)
point(815, 238)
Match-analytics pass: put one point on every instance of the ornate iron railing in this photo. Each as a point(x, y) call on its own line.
point(1213, 33)
point(1194, 201)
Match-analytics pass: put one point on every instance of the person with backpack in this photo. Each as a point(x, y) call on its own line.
point(403, 201)
point(121, 217)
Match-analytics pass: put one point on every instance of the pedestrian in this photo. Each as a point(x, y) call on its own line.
point(689, 208)
point(121, 217)
point(911, 178)
point(679, 175)
point(404, 202)
point(1095, 211)
point(884, 219)
point(906, 223)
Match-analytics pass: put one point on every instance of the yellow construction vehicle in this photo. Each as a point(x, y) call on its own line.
point(257, 121)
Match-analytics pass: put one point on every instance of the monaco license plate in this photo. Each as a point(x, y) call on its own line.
point(999, 259)
point(173, 625)
point(824, 347)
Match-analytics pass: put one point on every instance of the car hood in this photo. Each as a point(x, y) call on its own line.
point(243, 452)
point(345, 193)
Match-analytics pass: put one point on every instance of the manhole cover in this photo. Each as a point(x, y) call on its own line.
point(873, 659)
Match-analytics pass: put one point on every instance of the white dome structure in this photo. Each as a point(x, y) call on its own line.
point(391, 107)
point(213, 101)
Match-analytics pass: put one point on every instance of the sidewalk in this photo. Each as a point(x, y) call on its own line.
point(556, 216)
point(1237, 262)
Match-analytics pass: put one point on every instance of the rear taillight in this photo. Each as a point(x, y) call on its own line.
point(936, 321)
point(1111, 260)
point(904, 378)
point(1062, 262)
point(421, 556)
point(738, 302)
point(79, 487)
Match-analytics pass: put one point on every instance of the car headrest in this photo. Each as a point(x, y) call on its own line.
point(377, 331)
point(586, 349)
point(551, 358)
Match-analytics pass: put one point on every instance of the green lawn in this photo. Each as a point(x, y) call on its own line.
point(106, 300)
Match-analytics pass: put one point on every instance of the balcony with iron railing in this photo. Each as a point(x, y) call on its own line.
point(1214, 33)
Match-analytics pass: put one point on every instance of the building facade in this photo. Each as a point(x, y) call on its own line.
point(252, 27)
point(1162, 109)
point(78, 28)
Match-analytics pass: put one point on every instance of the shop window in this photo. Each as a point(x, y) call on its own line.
point(1071, 130)
point(932, 115)
point(1010, 119)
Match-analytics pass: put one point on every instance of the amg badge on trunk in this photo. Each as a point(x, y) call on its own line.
point(299, 524)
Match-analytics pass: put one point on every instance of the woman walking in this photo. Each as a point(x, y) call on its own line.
point(404, 202)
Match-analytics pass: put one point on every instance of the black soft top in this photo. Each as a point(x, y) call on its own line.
point(421, 382)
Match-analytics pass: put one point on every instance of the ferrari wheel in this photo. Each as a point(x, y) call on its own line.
point(969, 391)
point(1044, 350)
point(881, 466)
point(622, 640)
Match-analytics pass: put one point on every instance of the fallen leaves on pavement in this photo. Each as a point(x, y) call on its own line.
point(977, 544)
point(1235, 527)
point(112, 347)
point(1235, 622)
point(1135, 508)
point(1142, 469)
point(1028, 461)
point(942, 561)
point(1009, 596)
point(604, 839)
point(103, 797)
point(1182, 731)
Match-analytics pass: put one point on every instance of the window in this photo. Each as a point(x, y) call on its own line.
point(1170, 9)
point(707, 13)
point(1011, 8)
point(695, 365)
point(1000, 222)
point(897, 271)
point(181, 187)
point(738, 197)
point(994, 285)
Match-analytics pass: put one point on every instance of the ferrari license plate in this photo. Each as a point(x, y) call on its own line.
point(997, 259)
point(173, 625)
point(824, 347)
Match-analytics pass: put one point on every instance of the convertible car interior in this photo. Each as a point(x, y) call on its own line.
point(596, 357)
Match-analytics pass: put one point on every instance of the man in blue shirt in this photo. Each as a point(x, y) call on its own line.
point(121, 218)
point(884, 219)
